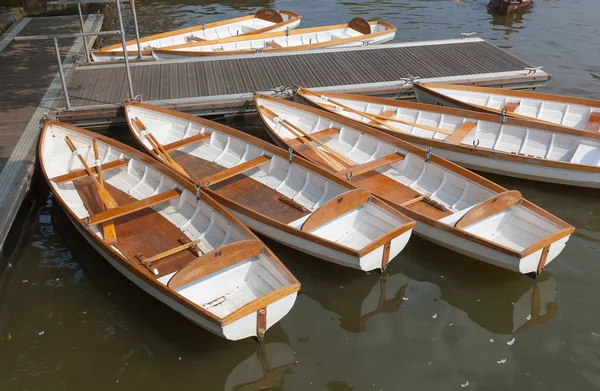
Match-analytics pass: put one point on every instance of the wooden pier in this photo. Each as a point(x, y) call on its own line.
point(215, 85)
point(29, 88)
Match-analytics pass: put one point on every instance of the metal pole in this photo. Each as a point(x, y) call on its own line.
point(85, 48)
point(62, 75)
point(137, 30)
point(118, 4)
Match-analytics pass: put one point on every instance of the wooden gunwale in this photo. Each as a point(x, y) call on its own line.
point(433, 159)
point(109, 50)
point(272, 149)
point(138, 270)
point(174, 50)
point(509, 93)
point(470, 149)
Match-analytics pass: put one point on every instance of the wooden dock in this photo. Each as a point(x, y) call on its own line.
point(215, 85)
point(30, 86)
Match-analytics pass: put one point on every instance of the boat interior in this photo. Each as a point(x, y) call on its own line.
point(260, 180)
point(456, 129)
point(563, 113)
point(158, 224)
point(357, 28)
point(405, 178)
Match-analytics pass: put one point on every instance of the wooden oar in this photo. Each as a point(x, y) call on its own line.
point(97, 165)
point(108, 228)
point(334, 164)
point(379, 119)
point(159, 149)
point(300, 133)
point(158, 257)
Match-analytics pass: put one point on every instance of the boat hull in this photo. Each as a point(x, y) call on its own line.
point(369, 262)
point(508, 6)
point(240, 329)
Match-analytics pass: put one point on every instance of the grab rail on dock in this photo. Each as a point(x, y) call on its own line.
point(85, 34)
point(56, 37)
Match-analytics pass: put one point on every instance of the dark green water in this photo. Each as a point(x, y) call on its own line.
point(437, 321)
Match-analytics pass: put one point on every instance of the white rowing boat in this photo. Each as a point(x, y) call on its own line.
point(358, 32)
point(174, 242)
point(578, 113)
point(491, 143)
point(265, 20)
point(280, 196)
point(452, 206)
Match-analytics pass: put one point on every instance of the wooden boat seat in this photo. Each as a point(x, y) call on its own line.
point(272, 45)
point(511, 107)
point(372, 165)
point(132, 207)
point(144, 232)
point(461, 133)
point(335, 207)
point(235, 170)
point(186, 141)
point(242, 189)
point(320, 135)
point(386, 114)
point(594, 122)
point(490, 207)
point(215, 261)
point(76, 174)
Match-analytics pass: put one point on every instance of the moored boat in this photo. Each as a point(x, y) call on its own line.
point(452, 206)
point(264, 20)
point(578, 113)
point(491, 143)
point(274, 193)
point(508, 6)
point(358, 32)
point(173, 241)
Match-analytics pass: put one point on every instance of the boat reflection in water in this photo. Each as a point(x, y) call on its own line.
point(494, 299)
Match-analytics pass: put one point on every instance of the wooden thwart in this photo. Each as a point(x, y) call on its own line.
point(594, 122)
point(215, 261)
point(336, 207)
point(186, 141)
point(461, 132)
point(133, 207)
point(510, 107)
point(235, 170)
point(371, 166)
point(76, 174)
point(321, 134)
point(490, 207)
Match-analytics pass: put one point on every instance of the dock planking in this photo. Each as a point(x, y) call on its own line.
point(29, 89)
point(213, 85)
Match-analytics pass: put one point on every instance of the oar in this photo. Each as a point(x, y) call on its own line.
point(110, 235)
point(333, 152)
point(159, 149)
point(380, 119)
point(98, 166)
point(335, 165)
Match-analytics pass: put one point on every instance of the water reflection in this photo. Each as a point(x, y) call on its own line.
point(499, 301)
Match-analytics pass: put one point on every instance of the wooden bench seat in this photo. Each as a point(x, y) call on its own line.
point(145, 232)
point(461, 133)
point(594, 122)
point(76, 174)
point(242, 189)
point(511, 107)
point(320, 135)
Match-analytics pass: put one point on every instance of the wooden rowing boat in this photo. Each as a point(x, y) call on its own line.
point(578, 113)
point(264, 20)
point(280, 196)
point(508, 6)
point(451, 205)
point(171, 240)
point(491, 143)
point(358, 32)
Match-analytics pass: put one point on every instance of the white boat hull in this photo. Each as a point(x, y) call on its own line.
point(369, 262)
point(240, 329)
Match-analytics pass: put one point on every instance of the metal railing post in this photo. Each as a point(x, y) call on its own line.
point(137, 30)
point(124, 44)
point(62, 75)
point(85, 48)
